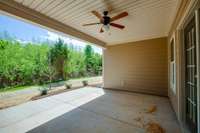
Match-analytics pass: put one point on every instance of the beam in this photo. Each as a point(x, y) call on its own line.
point(17, 9)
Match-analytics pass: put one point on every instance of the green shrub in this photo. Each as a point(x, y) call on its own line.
point(43, 91)
point(68, 86)
point(85, 83)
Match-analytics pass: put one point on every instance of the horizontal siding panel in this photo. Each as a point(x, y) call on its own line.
point(139, 66)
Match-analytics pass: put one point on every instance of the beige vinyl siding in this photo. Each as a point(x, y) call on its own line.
point(137, 66)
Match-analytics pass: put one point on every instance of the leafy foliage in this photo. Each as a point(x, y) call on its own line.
point(88, 58)
point(76, 64)
point(28, 64)
point(58, 56)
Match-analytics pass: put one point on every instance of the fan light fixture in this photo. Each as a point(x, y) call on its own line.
point(106, 27)
point(107, 21)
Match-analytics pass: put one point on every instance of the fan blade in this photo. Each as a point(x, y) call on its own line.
point(91, 24)
point(117, 25)
point(101, 30)
point(119, 16)
point(98, 15)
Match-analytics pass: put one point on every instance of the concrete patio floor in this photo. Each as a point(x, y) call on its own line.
point(89, 110)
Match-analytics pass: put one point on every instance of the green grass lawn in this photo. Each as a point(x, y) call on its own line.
point(9, 89)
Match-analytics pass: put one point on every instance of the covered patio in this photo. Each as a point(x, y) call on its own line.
point(151, 67)
point(90, 110)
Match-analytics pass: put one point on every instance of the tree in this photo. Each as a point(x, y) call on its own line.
point(58, 57)
point(22, 64)
point(97, 64)
point(50, 73)
point(76, 63)
point(33, 63)
point(89, 58)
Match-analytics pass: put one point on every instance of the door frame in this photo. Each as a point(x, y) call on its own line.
point(195, 15)
point(192, 22)
point(197, 22)
point(194, 11)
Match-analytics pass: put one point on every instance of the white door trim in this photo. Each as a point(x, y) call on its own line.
point(197, 22)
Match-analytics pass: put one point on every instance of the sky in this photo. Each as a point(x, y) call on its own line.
point(26, 32)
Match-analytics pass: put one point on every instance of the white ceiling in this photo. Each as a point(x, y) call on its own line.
point(147, 18)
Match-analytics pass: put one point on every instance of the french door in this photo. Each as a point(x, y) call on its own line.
point(191, 75)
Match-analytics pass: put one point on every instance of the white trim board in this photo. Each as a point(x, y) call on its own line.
point(197, 21)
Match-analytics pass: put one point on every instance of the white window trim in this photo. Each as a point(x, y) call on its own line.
point(173, 67)
point(173, 76)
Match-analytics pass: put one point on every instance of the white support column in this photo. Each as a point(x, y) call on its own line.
point(197, 19)
point(103, 66)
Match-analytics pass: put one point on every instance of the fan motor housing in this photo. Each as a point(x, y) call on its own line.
point(106, 20)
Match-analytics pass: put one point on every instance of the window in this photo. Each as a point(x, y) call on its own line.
point(172, 67)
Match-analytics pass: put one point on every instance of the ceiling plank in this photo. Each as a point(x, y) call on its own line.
point(19, 10)
point(43, 5)
point(27, 2)
point(52, 6)
point(56, 10)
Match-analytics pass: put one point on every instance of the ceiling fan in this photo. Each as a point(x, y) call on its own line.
point(107, 21)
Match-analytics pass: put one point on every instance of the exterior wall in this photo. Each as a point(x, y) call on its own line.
point(183, 16)
point(176, 34)
point(137, 66)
